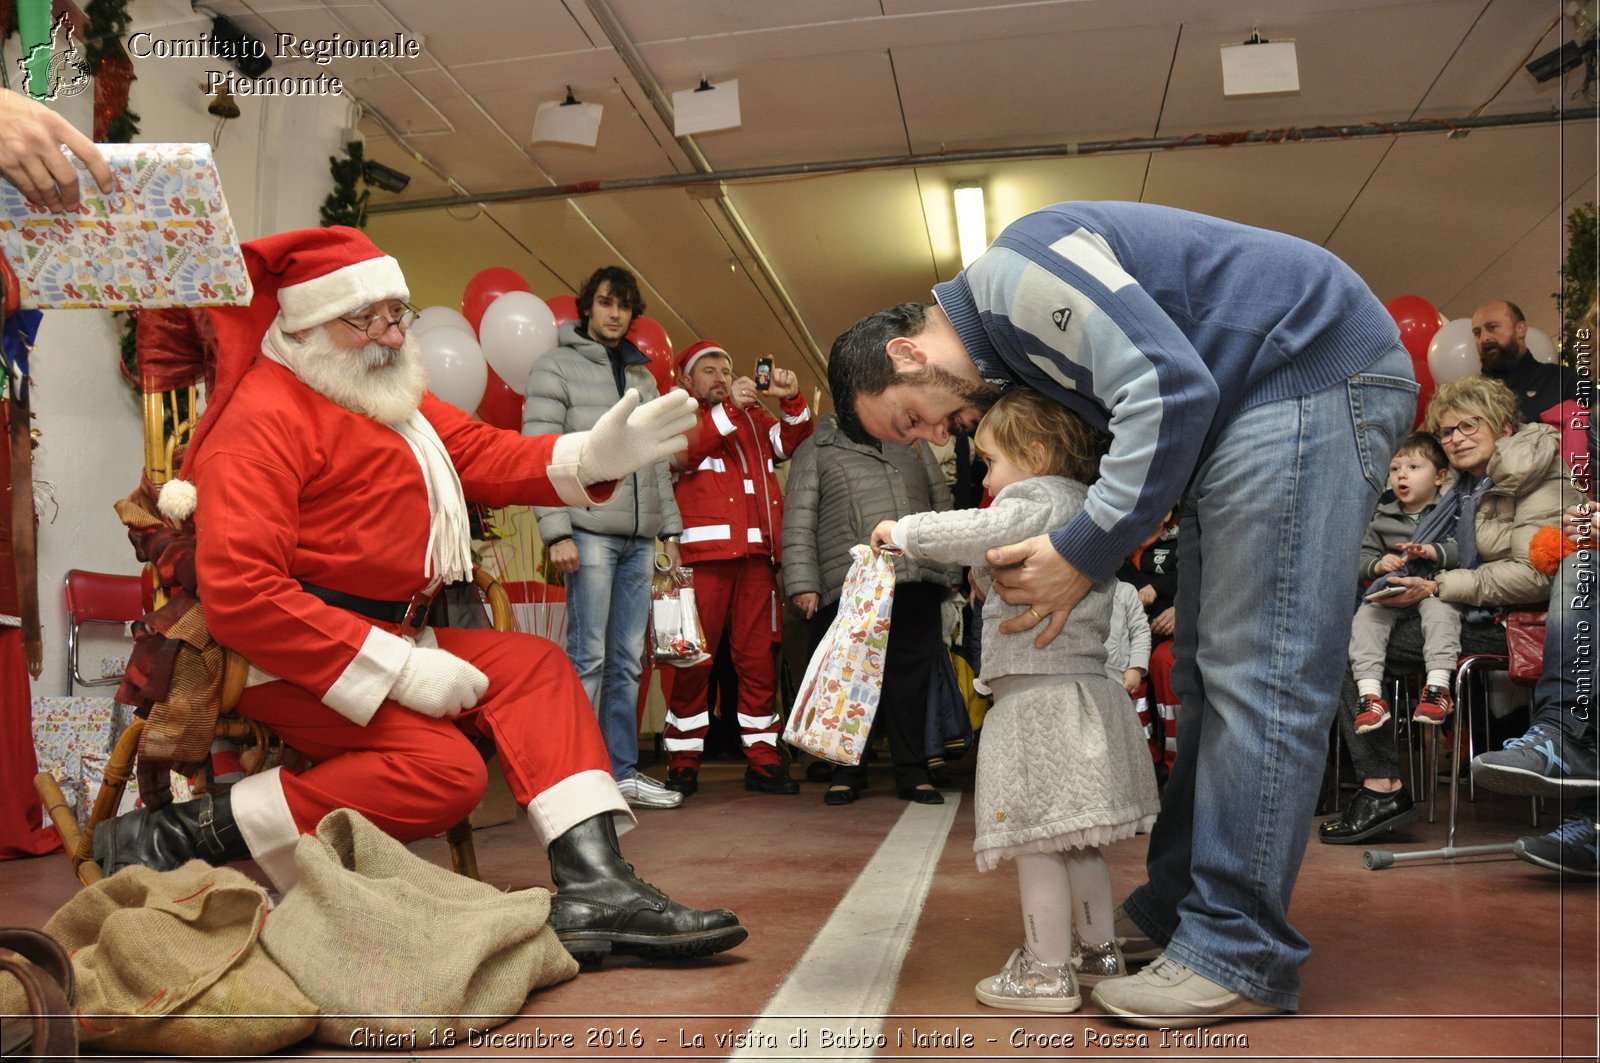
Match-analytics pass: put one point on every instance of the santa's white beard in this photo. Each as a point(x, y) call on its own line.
point(383, 383)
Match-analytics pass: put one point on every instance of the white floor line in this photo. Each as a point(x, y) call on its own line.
point(832, 1004)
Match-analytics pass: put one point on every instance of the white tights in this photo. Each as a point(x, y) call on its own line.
point(1062, 891)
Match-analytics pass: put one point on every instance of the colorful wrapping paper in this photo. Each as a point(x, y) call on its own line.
point(163, 238)
point(66, 730)
point(839, 694)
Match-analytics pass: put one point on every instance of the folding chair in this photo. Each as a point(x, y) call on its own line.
point(1471, 695)
point(102, 599)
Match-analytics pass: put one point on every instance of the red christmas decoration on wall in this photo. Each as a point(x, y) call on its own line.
point(113, 79)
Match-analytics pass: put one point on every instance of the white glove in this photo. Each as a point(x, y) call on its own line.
point(438, 683)
point(628, 436)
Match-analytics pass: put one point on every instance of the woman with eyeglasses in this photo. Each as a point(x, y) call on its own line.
point(1511, 481)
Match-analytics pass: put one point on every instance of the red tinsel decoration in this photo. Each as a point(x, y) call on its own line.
point(112, 80)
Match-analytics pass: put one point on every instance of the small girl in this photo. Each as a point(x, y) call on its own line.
point(1063, 767)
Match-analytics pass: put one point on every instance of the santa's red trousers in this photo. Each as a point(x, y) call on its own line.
point(415, 776)
point(741, 598)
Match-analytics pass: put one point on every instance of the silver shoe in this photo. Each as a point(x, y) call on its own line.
point(1026, 984)
point(641, 791)
point(1095, 963)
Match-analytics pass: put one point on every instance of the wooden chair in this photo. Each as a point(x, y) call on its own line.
point(175, 354)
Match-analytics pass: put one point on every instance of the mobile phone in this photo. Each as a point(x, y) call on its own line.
point(1383, 592)
point(763, 373)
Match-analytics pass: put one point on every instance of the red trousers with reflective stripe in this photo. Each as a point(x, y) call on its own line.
point(741, 598)
point(415, 776)
point(1165, 699)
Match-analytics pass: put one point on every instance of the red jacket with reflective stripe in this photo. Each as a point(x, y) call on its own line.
point(727, 491)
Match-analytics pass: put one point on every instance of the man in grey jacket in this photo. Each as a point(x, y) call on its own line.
point(838, 491)
point(606, 553)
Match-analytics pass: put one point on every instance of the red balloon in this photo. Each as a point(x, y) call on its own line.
point(501, 406)
point(564, 307)
point(487, 286)
point(652, 340)
point(1418, 320)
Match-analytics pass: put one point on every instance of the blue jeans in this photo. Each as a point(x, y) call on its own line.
point(1564, 696)
point(1268, 550)
point(608, 603)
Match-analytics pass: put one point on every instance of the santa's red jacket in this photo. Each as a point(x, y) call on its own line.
point(728, 492)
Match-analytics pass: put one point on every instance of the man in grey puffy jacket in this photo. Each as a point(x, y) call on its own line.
point(606, 553)
point(838, 491)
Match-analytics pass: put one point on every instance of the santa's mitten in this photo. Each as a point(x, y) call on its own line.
point(629, 436)
point(438, 683)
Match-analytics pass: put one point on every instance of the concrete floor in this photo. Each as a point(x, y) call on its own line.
point(1484, 959)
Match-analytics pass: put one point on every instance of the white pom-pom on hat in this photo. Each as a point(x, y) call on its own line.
point(177, 500)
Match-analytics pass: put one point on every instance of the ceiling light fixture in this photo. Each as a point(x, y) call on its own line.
point(568, 121)
point(972, 222)
point(705, 108)
point(1259, 67)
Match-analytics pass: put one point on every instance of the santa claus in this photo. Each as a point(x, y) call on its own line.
point(327, 487)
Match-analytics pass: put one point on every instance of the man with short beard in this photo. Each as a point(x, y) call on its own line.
point(327, 488)
point(1548, 394)
point(1256, 377)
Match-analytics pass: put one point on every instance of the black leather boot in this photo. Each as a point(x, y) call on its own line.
point(171, 836)
point(601, 906)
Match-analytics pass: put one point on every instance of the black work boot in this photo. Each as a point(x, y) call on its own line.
point(171, 836)
point(601, 906)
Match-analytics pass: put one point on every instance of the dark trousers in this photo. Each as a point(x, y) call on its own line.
point(916, 635)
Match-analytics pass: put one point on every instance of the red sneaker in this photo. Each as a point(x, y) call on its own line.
point(1434, 707)
point(1373, 714)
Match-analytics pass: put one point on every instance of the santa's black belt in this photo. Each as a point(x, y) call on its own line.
point(411, 615)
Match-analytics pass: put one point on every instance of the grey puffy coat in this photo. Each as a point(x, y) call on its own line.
point(837, 493)
point(568, 390)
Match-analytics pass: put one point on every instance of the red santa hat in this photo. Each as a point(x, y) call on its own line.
point(303, 279)
point(696, 351)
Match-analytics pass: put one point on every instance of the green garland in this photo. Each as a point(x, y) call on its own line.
point(345, 205)
point(1580, 276)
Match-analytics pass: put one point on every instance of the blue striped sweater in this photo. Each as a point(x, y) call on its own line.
point(1158, 325)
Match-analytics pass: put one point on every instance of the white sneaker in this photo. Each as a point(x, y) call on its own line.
point(1168, 994)
point(641, 790)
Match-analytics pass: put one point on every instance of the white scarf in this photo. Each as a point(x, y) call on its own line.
point(449, 553)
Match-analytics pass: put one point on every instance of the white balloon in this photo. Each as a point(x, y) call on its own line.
point(433, 317)
point(516, 331)
point(1453, 353)
point(457, 372)
point(1541, 346)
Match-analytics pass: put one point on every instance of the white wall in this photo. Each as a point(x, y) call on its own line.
point(274, 168)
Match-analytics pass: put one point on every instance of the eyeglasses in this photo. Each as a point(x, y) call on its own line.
point(375, 325)
point(1467, 426)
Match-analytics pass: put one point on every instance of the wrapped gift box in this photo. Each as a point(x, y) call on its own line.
point(65, 729)
point(163, 238)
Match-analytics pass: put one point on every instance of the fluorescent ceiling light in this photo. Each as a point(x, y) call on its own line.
point(972, 223)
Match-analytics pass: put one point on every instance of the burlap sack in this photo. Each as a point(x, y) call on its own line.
point(399, 951)
point(169, 962)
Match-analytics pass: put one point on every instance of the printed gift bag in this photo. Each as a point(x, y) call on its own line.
point(839, 693)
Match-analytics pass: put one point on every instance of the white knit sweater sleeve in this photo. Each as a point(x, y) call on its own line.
point(962, 536)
